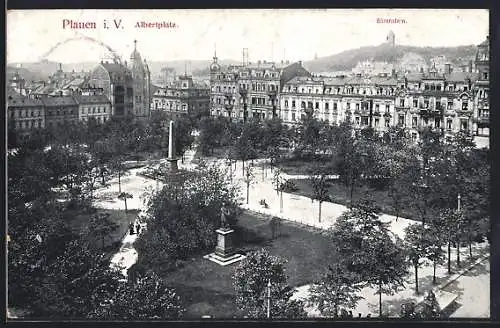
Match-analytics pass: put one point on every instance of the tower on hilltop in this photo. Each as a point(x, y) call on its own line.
point(391, 38)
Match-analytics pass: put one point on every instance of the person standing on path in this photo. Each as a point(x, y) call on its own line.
point(138, 227)
point(131, 228)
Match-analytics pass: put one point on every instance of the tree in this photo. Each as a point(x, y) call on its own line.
point(77, 283)
point(367, 248)
point(184, 214)
point(250, 281)
point(448, 224)
point(418, 246)
point(436, 237)
point(337, 289)
point(101, 226)
point(125, 196)
point(279, 184)
point(146, 298)
point(249, 179)
point(320, 184)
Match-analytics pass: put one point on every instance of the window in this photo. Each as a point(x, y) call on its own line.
point(293, 116)
point(357, 120)
point(253, 101)
point(377, 121)
point(377, 107)
point(401, 103)
point(450, 104)
point(387, 122)
point(485, 75)
point(415, 103)
point(348, 105)
point(448, 124)
point(316, 105)
point(413, 136)
point(463, 125)
point(426, 103)
point(335, 106)
point(357, 106)
point(465, 105)
point(364, 120)
point(293, 103)
point(401, 120)
point(327, 106)
point(309, 105)
point(414, 122)
point(286, 103)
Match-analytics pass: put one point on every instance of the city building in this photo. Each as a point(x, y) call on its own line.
point(481, 124)
point(117, 84)
point(128, 89)
point(141, 77)
point(60, 111)
point(361, 100)
point(25, 114)
point(96, 107)
point(182, 96)
point(451, 100)
point(250, 90)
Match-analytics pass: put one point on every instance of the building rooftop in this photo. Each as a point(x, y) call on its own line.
point(59, 101)
point(93, 99)
point(460, 76)
point(23, 102)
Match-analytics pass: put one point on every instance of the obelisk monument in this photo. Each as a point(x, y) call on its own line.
point(172, 159)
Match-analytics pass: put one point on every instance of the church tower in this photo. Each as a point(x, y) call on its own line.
point(141, 83)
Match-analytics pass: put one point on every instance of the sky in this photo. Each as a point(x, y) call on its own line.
point(271, 34)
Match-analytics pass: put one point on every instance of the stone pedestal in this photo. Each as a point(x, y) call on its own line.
point(224, 251)
point(172, 165)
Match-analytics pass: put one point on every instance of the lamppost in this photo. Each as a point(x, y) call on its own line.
point(269, 299)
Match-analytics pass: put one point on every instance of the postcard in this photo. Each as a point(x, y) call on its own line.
point(248, 164)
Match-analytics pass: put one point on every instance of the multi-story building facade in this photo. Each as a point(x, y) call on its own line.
point(182, 97)
point(250, 90)
point(361, 100)
point(24, 114)
point(117, 84)
point(141, 78)
point(451, 101)
point(60, 111)
point(481, 124)
point(96, 107)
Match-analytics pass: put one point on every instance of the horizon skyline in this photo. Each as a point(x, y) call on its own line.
point(272, 36)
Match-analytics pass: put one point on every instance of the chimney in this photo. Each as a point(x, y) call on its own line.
point(447, 68)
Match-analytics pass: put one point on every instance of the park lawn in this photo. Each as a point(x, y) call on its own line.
point(206, 287)
point(78, 220)
point(340, 194)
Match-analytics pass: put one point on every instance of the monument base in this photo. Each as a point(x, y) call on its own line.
point(223, 261)
point(172, 165)
point(224, 252)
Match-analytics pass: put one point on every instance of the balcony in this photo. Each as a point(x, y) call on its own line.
point(272, 93)
point(482, 119)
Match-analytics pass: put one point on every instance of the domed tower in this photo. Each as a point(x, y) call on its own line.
point(139, 84)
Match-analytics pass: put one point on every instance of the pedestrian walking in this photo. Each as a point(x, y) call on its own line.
point(131, 228)
point(138, 228)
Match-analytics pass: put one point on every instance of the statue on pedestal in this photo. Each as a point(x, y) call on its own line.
point(224, 213)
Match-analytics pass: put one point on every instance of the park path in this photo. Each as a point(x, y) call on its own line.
point(301, 209)
point(136, 185)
